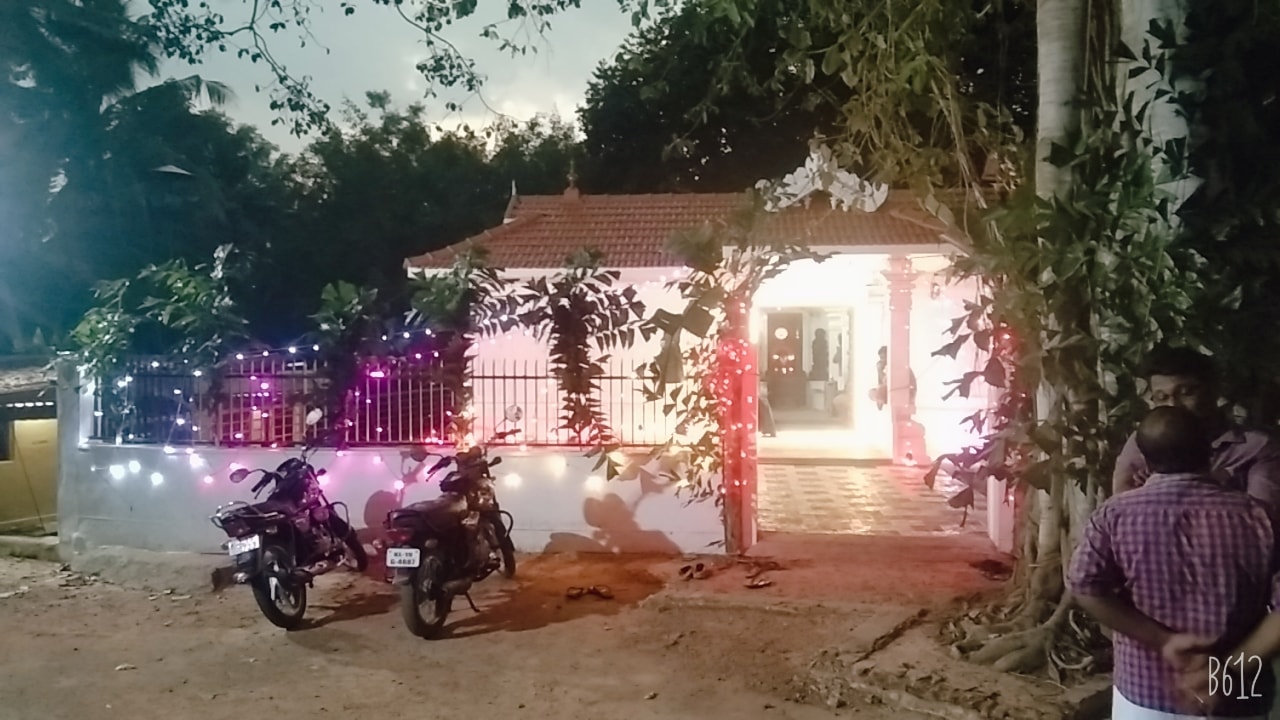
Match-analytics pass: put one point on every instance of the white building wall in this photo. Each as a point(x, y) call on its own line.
point(513, 369)
point(141, 497)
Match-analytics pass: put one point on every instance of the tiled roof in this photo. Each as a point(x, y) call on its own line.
point(632, 231)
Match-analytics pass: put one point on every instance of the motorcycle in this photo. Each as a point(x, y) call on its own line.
point(437, 549)
point(279, 546)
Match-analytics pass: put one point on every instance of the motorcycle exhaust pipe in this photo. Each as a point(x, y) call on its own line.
point(457, 587)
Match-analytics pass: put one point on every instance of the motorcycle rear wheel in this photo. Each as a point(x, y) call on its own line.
point(422, 593)
point(281, 597)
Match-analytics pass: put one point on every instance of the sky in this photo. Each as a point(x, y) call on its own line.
point(375, 49)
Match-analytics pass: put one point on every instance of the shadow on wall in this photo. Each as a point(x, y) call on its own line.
point(616, 529)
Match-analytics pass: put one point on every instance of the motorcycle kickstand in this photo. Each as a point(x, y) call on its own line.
point(467, 595)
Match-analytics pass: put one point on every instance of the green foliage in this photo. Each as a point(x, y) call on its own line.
point(1232, 218)
point(1084, 313)
point(575, 311)
point(923, 92)
point(105, 333)
point(347, 320)
point(195, 303)
point(71, 120)
point(189, 32)
point(469, 300)
point(662, 116)
point(347, 315)
point(188, 313)
point(183, 313)
point(388, 186)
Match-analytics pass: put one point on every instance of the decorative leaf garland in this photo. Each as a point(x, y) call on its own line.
point(582, 317)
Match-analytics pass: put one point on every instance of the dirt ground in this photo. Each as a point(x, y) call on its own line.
point(78, 648)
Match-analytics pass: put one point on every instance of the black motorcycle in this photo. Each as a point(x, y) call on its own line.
point(280, 545)
point(436, 550)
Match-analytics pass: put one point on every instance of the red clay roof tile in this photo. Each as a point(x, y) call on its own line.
point(632, 231)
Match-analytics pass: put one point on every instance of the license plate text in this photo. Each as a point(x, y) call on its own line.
point(243, 545)
point(403, 557)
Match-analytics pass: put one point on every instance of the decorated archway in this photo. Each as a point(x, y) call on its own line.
point(747, 263)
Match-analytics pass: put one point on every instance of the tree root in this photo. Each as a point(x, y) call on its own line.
point(1022, 651)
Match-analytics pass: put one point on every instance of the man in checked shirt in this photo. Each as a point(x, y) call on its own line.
point(1181, 556)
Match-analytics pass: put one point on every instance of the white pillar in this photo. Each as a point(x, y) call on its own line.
point(908, 436)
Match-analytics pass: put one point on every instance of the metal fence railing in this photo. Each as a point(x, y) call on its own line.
point(264, 401)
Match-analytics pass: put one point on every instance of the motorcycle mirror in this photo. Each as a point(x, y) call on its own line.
point(419, 454)
point(239, 474)
point(321, 472)
point(495, 461)
point(513, 413)
point(314, 416)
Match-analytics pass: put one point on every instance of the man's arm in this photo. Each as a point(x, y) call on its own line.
point(1190, 654)
point(1263, 642)
point(1263, 481)
point(1095, 579)
point(1131, 467)
point(1121, 616)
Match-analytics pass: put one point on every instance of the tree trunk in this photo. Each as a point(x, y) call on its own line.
point(1052, 520)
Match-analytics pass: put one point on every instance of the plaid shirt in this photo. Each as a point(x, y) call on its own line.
point(1192, 556)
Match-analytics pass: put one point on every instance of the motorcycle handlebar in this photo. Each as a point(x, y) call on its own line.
point(266, 480)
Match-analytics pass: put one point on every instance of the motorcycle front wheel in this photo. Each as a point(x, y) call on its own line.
point(423, 604)
point(281, 597)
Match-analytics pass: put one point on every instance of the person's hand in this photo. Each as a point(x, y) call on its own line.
point(1187, 652)
point(1189, 656)
point(1140, 477)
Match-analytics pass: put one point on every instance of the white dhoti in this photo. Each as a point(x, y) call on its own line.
point(1122, 709)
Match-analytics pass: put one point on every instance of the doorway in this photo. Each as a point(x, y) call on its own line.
point(808, 368)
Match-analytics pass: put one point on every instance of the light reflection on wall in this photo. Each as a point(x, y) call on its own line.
point(138, 496)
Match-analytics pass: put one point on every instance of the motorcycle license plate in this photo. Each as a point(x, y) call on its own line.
point(243, 545)
point(403, 557)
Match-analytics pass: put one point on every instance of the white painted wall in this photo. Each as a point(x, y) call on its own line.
point(141, 497)
point(518, 353)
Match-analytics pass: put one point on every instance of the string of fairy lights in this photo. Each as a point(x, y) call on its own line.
point(260, 367)
point(736, 395)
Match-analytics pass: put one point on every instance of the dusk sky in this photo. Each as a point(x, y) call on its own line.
point(374, 49)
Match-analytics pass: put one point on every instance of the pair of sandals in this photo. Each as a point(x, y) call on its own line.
point(601, 591)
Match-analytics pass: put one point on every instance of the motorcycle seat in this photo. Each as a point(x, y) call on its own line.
point(445, 511)
point(267, 507)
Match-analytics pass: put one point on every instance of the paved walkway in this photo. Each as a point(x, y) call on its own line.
point(831, 499)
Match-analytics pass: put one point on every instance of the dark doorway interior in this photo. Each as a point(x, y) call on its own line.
point(784, 351)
